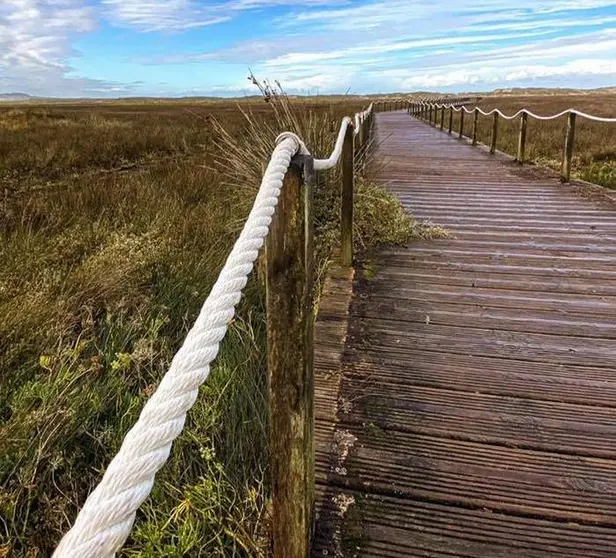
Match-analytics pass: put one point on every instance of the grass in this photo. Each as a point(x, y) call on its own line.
point(115, 221)
point(595, 143)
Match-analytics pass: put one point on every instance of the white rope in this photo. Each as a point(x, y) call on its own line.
point(332, 161)
point(106, 518)
point(524, 110)
point(105, 521)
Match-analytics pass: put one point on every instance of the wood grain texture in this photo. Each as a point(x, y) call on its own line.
point(477, 406)
point(289, 300)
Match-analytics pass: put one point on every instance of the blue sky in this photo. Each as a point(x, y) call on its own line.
point(111, 48)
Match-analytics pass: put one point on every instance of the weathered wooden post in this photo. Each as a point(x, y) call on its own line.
point(475, 122)
point(442, 117)
point(361, 133)
point(289, 303)
point(522, 137)
point(494, 133)
point(348, 187)
point(569, 143)
point(450, 120)
point(461, 123)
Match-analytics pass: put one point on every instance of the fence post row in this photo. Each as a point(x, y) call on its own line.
point(568, 151)
point(348, 179)
point(522, 137)
point(289, 253)
point(361, 135)
point(494, 133)
point(289, 303)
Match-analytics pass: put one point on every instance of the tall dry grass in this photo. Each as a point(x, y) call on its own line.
point(104, 271)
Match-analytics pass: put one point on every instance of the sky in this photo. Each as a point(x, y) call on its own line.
point(115, 48)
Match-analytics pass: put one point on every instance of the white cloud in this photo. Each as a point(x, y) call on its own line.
point(332, 45)
point(451, 77)
point(160, 15)
point(36, 33)
point(35, 42)
point(181, 15)
point(444, 44)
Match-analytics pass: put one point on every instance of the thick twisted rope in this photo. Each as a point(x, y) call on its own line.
point(332, 161)
point(105, 521)
point(524, 110)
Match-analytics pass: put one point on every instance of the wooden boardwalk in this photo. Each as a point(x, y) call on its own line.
point(475, 400)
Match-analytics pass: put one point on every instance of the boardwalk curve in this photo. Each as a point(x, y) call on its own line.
point(476, 412)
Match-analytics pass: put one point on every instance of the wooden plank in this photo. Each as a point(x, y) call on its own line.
point(505, 480)
point(396, 528)
point(465, 315)
point(506, 378)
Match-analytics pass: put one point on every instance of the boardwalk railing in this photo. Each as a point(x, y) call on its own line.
point(429, 111)
point(282, 218)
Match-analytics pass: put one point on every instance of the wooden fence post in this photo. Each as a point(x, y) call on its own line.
point(475, 122)
point(522, 137)
point(569, 143)
point(361, 135)
point(289, 303)
point(442, 117)
point(450, 120)
point(494, 133)
point(348, 187)
point(461, 124)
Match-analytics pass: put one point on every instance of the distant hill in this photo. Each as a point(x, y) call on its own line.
point(16, 97)
point(517, 91)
